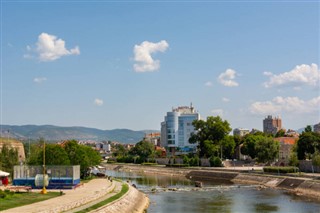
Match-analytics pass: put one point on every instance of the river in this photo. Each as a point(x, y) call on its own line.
point(177, 194)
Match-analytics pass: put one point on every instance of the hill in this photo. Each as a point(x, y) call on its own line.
point(57, 133)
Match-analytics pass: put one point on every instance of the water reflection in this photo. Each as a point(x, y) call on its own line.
point(218, 196)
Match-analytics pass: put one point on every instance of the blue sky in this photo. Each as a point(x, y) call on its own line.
point(108, 64)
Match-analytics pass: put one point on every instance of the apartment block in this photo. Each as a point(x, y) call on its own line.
point(272, 125)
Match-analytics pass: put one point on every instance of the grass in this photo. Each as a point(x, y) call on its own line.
point(124, 190)
point(16, 199)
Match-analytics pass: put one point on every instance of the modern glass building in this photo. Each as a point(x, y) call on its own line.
point(177, 128)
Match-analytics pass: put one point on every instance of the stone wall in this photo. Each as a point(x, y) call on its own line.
point(14, 144)
point(306, 166)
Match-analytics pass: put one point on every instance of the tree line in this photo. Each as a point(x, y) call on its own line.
point(70, 153)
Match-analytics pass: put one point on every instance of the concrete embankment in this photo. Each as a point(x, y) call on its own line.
point(300, 186)
point(133, 201)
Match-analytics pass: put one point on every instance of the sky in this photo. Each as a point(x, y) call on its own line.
point(125, 64)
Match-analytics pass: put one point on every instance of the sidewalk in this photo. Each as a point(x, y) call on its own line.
point(91, 191)
point(117, 186)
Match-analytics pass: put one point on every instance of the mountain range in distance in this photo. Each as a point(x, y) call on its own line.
point(57, 133)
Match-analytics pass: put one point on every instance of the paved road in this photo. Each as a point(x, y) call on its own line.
point(93, 190)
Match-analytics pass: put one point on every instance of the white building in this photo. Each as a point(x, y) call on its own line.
point(316, 128)
point(241, 132)
point(177, 128)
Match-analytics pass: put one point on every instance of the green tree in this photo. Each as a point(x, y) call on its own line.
point(249, 144)
point(120, 151)
point(212, 131)
point(308, 144)
point(308, 129)
point(267, 150)
point(8, 158)
point(143, 149)
point(228, 145)
point(280, 133)
point(93, 156)
point(293, 159)
point(316, 159)
point(55, 155)
point(78, 156)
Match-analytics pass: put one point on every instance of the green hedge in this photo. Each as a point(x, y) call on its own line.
point(215, 162)
point(177, 165)
point(149, 164)
point(274, 169)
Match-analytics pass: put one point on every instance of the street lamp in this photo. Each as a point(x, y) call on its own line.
point(44, 191)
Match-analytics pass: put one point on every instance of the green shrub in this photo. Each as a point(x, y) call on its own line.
point(2, 194)
point(186, 160)
point(139, 160)
point(111, 161)
point(149, 164)
point(177, 165)
point(194, 161)
point(125, 159)
point(283, 170)
point(215, 162)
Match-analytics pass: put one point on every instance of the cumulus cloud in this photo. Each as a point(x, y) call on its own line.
point(286, 104)
point(225, 99)
point(50, 48)
point(98, 102)
point(39, 79)
point(208, 84)
point(219, 112)
point(143, 58)
point(301, 75)
point(227, 78)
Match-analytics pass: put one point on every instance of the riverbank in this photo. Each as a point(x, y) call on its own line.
point(87, 195)
point(302, 186)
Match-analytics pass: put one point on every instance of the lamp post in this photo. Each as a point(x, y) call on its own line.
point(44, 191)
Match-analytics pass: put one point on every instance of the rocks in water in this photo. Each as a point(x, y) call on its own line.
point(198, 184)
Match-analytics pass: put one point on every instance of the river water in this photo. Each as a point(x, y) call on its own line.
point(178, 195)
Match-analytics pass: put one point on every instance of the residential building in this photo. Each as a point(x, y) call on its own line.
point(286, 145)
point(177, 128)
point(104, 146)
point(272, 125)
point(316, 128)
point(153, 138)
point(241, 132)
point(292, 133)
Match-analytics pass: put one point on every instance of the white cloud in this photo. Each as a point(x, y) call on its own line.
point(227, 78)
point(142, 55)
point(300, 75)
point(39, 79)
point(208, 84)
point(225, 99)
point(288, 104)
point(98, 102)
point(50, 48)
point(219, 112)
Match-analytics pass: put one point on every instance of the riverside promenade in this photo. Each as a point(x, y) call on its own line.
point(88, 195)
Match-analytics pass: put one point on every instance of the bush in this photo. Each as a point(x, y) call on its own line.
point(177, 165)
point(149, 164)
point(283, 170)
point(215, 161)
point(194, 161)
point(139, 160)
point(186, 160)
point(125, 159)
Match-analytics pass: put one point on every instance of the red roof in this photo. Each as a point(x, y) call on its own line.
point(287, 140)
